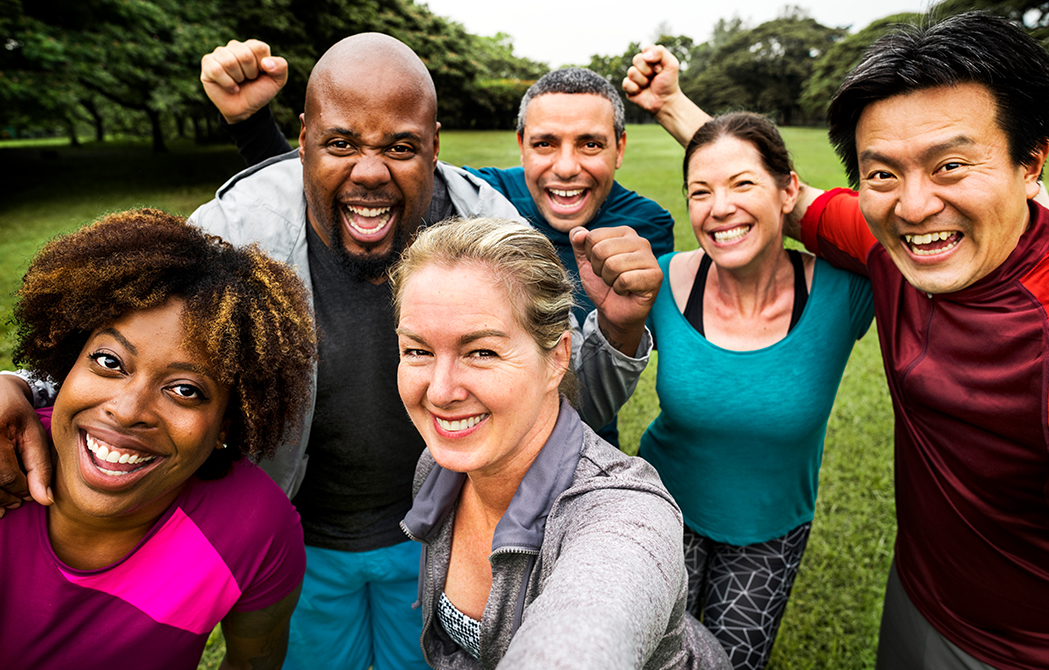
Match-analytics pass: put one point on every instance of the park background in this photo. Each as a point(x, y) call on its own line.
point(101, 110)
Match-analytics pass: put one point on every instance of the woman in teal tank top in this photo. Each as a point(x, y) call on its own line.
point(752, 341)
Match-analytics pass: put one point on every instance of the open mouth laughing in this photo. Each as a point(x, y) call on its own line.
point(368, 224)
point(124, 465)
point(930, 244)
point(731, 234)
point(567, 200)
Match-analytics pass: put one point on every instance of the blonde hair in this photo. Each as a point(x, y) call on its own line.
point(520, 259)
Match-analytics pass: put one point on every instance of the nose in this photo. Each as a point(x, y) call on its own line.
point(131, 405)
point(916, 201)
point(445, 385)
point(723, 205)
point(566, 163)
point(370, 171)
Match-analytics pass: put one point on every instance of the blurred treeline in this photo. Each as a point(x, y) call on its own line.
point(131, 67)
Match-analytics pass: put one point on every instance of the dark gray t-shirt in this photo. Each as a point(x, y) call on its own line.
point(363, 447)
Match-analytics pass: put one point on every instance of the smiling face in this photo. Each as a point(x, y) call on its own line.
point(937, 186)
point(570, 154)
point(736, 207)
point(135, 418)
point(368, 147)
point(476, 385)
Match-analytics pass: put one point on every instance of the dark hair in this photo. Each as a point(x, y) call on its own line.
point(248, 314)
point(575, 80)
point(747, 127)
point(973, 47)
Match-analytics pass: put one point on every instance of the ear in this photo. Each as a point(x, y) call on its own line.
point(302, 136)
point(436, 142)
point(620, 148)
point(220, 443)
point(790, 193)
point(520, 145)
point(560, 357)
point(1033, 171)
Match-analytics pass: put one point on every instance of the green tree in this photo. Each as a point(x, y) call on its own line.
point(830, 69)
point(1032, 16)
point(762, 69)
point(143, 55)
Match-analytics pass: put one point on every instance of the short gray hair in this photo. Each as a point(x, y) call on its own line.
point(575, 80)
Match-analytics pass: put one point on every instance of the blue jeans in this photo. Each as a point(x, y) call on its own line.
point(355, 611)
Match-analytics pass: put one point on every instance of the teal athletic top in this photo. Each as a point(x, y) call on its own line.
point(739, 438)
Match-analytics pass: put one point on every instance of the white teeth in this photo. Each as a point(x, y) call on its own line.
point(368, 212)
point(381, 213)
point(566, 194)
point(108, 454)
point(729, 235)
point(463, 424)
point(928, 238)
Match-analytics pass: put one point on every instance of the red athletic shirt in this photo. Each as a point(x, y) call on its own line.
point(969, 377)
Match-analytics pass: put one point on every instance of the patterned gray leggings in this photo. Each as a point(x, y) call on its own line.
point(740, 593)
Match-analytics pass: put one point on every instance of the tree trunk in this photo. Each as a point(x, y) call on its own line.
point(96, 118)
point(71, 131)
point(158, 133)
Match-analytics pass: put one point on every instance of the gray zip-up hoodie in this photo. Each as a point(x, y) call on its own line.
point(587, 566)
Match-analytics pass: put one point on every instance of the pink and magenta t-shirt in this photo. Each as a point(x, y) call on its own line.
point(234, 544)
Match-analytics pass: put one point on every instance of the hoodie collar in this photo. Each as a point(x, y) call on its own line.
point(524, 523)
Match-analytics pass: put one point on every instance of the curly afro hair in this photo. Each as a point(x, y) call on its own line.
point(248, 314)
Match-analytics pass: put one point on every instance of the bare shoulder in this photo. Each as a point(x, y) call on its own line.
point(682, 273)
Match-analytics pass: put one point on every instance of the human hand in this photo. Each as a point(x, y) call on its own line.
point(621, 277)
point(652, 80)
point(242, 77)
point(22, 437)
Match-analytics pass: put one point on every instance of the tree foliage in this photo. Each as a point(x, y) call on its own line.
point(109, 62)
point(762, 69)
point(830, 68)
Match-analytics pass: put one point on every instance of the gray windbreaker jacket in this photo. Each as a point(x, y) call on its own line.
point(266, 204)
point(587, 565)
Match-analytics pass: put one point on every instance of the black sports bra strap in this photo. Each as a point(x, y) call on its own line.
point(694, 306)
point(801, 289)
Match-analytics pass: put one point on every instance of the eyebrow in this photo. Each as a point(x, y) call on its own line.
point(389, 138)
point(930, 152)
point(586, 137)
point(730, 177)
point(119, 338)
point(192, 367)
point(464, 339)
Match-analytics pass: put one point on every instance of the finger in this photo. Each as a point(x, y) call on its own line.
point(14, 486)
point(578, 237)
point(36, 458)
point(212, 72)
point(277, 68)
point(642, 281)
point(237, 60)
point(642, 66)
point(635, 82)
point(247, 61)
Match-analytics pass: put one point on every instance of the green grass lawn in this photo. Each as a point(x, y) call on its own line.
point(832, 619)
